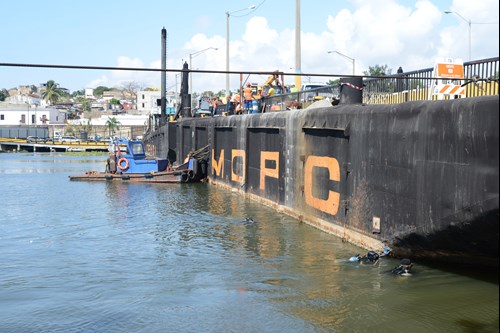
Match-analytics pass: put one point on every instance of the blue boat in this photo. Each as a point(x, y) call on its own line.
point(129, 162)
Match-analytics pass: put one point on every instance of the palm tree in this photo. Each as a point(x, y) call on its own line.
point(52, 93)
point(112, 124)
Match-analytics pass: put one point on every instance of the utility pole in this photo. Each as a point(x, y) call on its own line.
point(298, 68)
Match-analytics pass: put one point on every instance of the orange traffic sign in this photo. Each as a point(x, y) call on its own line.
point(452, 71)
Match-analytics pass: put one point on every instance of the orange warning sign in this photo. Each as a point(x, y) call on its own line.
point(452, 71)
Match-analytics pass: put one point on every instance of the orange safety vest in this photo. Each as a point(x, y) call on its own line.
point(247, 93)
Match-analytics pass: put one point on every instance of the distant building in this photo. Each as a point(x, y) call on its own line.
point(30, 115)
point(127, 105)
point(23, 90)
point(99, 106)
point(89, 93)
point(147, 102)
point(110, 94)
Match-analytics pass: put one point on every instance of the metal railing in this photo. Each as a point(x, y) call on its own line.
point(481, 79)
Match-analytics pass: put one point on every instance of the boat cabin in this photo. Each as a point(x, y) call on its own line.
point(131, 157)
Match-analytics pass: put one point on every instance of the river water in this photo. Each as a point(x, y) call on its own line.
point(114, 257)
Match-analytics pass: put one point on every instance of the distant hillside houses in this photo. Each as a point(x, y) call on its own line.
point(22, 98)
point(29, 90)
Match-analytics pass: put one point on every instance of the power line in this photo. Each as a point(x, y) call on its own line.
point(201, 71)
point(136, 69)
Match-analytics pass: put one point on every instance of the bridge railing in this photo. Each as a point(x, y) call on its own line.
point(481, 79)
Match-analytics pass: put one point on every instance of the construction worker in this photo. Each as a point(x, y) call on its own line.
point(237, 97)
point(258, 95)
point(229, 104)
point(257, 101)
point(236, 100)
point(214, 105)
point(271, 91)
point(247, 95)
point(262, 92)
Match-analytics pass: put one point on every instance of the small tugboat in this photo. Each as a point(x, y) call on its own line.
point(127, 161)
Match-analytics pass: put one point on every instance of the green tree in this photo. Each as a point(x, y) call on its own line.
point(383, 84)
point(52, 93)
point(221, 93)
point(100, 90)
point(114, 101)
point(78, 93)
point(112, 124)
point(333, 82)
point(378, 70)
point(3, 95)
point(86, 105)
point(208, 93)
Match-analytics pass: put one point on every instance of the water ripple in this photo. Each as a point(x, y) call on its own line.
point(114, 257)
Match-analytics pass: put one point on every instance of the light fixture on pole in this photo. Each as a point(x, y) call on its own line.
point(191, 55)
point(227, 42)
point(470, 30)
point(349, 58)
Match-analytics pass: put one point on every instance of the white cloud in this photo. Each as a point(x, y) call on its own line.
point(117, 78)
point(385, 32)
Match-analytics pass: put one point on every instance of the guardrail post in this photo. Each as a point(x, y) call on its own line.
point(351, 90)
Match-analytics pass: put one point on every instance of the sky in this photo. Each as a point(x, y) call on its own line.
point(127, 33)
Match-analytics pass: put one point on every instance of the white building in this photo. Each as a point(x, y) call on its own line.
point(89, 93)
point(147, 102)
point(30, 115)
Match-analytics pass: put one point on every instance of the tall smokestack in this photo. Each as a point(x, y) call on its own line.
point(164, 74)
point(185, 96)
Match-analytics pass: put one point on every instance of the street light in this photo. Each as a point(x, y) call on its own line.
point(347, 57)
point(227, 42)
point(191, 55)
point(470, 30)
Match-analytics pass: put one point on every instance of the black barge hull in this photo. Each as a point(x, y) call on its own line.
point(422, 177)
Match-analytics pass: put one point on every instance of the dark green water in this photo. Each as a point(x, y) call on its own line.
point(105, 257)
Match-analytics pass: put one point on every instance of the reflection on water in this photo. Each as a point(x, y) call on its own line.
point(114, 257)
